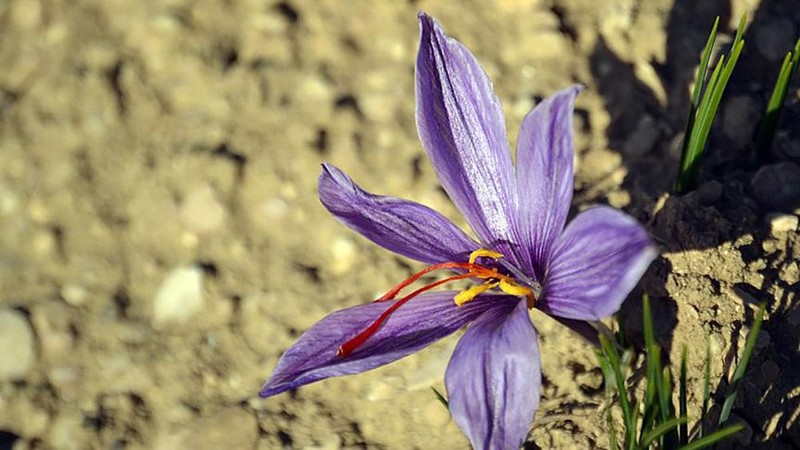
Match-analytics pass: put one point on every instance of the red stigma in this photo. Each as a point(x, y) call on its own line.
point(473, 271)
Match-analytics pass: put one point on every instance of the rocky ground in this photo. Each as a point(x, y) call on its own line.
point(161, 242)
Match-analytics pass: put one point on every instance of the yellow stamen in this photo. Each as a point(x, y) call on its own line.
point(482, 252)
point(509, 286)
point(472, 292)
point(494, 279)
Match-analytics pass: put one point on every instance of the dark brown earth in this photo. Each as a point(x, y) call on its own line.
point(161, 242)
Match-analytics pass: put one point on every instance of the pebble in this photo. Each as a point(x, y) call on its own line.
point(643, 137)
point(179, 298)
point(201, 212)
point(777, 186)
point(741, 117)
point(745, 436)
point(344, 253)
point(74, 294)
point(782, 223)
point(773, 38)
point(16, 345)
point(709, 193)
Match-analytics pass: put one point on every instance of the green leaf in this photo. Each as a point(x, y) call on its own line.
point(612, 430)
point(700, 83)
point(660, 430)
point(706, 388)
point(749, 345)
point(614, 368)
point(772, 117)
point(714, 438)
point(683, 430)
point(701, 118)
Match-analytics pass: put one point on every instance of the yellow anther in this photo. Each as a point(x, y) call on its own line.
point(472, 292)
point(483, 252)
point(508, 286)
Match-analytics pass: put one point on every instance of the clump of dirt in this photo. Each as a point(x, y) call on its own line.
point(162, 243)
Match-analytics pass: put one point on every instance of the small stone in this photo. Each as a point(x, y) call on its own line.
point(380, 391)
point(16, 345)
point(790, 148)
point(179, 298)
point(343, 252)
point(782, 223)
point(770, 370)
point(201, 212)
point(776, 186)
point(709, 193)
point(773, 38)
point(274, 208)
point(741, 117)
point(9, 202)
point(74, 295)
point(643, 137)
point(769, 246)
point(746, 435)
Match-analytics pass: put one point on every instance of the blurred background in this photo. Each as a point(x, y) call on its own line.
point(161, 243)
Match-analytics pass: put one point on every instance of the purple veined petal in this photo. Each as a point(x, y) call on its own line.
point(544, 177)
point(404, 227)
point(494, 378)
point(595, 263)
point(412, 327)
point(461, 126)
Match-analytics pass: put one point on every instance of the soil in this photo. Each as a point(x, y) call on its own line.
point(161, 242)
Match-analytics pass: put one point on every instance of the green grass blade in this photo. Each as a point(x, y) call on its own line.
point(683, 430)
point(695, 140)
point(706, 388)
point(775, 106)
point(714, 438)
point(749, 345)
point(661, 430)
point(441, 398)
point(651, 403)
point(670, 438)
point(699, 85)
point(612, 430)
point(610, 383)
point(702, 70)
point(634, 424)
point(615, 369)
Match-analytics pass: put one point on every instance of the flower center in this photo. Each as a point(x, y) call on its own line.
point(492, 278)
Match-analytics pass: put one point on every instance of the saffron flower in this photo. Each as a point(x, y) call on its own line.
point(524, 256)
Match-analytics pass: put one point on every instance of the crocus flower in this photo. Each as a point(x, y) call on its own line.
point(524, 256)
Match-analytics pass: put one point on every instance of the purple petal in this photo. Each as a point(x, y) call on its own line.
point(402, 226)
point(413, 326)
point(596, 262)
point(494, 378)
point(544, 177)
point(460, 124)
